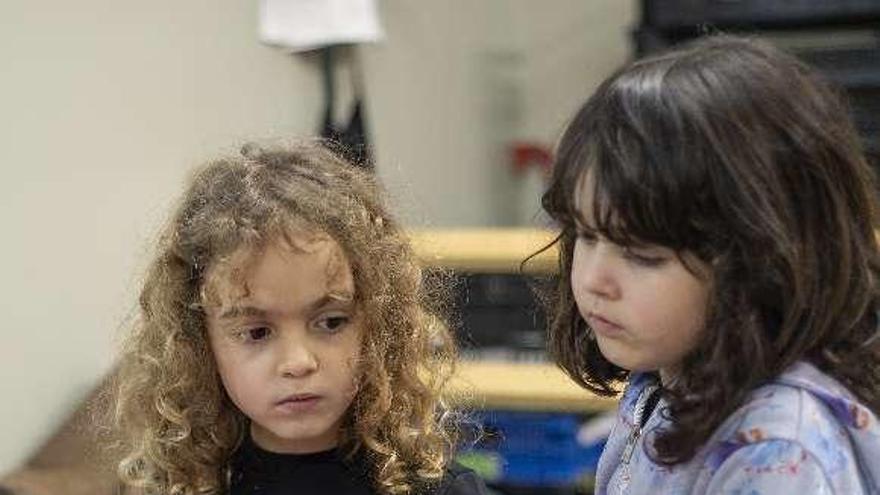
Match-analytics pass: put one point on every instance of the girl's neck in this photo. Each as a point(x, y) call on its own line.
point(668, 377)
point(265, 440)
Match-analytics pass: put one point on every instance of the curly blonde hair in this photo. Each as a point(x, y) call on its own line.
point(176, 427)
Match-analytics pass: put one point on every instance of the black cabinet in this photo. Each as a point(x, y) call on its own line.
point(670, 15)
point(839, 37)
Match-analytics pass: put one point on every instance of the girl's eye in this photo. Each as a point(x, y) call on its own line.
point(256, 334)
point(333, 323)
point(647, 258)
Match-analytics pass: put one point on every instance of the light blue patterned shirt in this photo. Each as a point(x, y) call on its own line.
point(803, 433)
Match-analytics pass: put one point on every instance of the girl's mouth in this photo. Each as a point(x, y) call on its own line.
point(603, 326)
point(298, 403)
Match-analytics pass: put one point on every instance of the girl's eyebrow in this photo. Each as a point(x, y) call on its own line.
point(327, 299)
point(240, 311)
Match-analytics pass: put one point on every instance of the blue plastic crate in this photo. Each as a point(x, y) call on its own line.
point(532, 449)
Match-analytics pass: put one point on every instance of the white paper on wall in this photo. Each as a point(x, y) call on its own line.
point(301, 25)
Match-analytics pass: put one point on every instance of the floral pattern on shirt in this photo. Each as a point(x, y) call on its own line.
point(803, 433)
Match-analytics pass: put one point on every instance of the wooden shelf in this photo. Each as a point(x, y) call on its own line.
point(521, 386)
point(496, 384)
point(485, 250)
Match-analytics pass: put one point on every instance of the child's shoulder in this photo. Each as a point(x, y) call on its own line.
point(776, 411)
point(804, 413)
point(799, 405)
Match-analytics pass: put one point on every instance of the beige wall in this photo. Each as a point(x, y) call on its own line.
point(105, 105)
point(457, 78)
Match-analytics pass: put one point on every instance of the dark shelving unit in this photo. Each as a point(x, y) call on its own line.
point(854, 67)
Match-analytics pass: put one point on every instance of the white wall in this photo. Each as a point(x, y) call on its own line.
point(456, 78)
point(104, 106)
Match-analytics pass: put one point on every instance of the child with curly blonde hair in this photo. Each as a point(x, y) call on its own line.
point(286, 343)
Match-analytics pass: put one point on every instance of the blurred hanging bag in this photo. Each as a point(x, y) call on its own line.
point(326, 26)
point(304, 25)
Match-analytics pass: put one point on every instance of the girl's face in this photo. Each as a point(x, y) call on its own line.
point(287, 347)
point(644, 306)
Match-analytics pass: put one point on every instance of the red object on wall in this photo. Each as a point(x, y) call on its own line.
point(526, 155)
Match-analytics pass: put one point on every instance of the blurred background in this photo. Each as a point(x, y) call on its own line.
point(105, 107)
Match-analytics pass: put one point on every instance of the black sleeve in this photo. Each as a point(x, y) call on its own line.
point(462, 481)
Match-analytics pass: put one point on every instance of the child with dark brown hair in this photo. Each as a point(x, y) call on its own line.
point(718, 255)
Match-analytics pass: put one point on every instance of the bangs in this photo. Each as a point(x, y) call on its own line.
point(623, 173)
point(225, 281)
point(625, 199)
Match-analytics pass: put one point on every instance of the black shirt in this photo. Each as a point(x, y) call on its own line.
point(259, 472)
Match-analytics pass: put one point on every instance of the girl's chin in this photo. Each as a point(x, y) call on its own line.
point(628, 362)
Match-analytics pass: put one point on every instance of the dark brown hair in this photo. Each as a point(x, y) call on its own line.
point(177, 428)
point(738, 153)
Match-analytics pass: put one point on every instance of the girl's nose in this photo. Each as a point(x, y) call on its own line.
point(593, 271)
point(297, 359)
